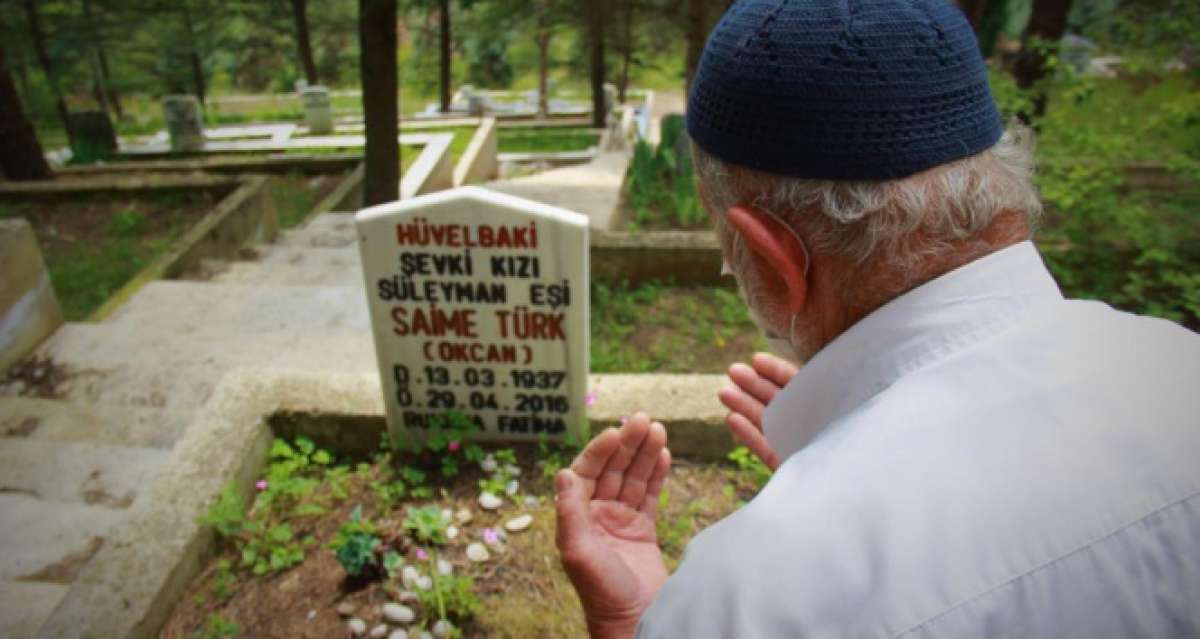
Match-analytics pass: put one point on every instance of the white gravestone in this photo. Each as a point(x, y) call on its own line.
point(479, 304)
point(318, 110)
point(184, 124)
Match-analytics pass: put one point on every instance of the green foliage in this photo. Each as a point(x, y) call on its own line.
point(127, 224)
point(228, 514)
point(355, 544)
point(749, 463)
point(426, 525)
point(272, 549)
point(545, 139)
point(674, 533)
point(217, 627)
point(661, 184)
point(223, 580)
point(452, 597)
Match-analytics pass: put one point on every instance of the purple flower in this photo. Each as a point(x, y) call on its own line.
point(590, 399)
point(490, 536)
point(453, 446)
point(422, 555)
point(261, 484)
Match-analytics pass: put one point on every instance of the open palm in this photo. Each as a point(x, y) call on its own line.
point(607, 503)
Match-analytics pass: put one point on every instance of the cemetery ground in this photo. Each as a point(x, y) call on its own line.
point(401, 540)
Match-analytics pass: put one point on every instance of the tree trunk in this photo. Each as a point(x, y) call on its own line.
point(1046, 26)
point(106, 95)
point(626, 53)
point(22, 158)
point(445, 56)
point(300, 16)
point(39, 48)
point(543, 44)
point(197, 67)
point(596, 47)
point(114, 97)
point(377, 61)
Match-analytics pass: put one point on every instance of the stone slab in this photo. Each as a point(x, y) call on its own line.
point(593, 189)
point(25, 605)
point(61, 421)
point(50, 537)
point(94, 474)
point(298, 265)
point(29, 310)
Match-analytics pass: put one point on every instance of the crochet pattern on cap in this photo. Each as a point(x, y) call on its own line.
point(862, 90)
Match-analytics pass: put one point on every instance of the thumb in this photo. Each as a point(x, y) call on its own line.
point(571, 508)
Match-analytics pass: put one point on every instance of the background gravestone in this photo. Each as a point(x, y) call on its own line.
point(184, 122)
point(92, 136)
point(479, 304)
point(318, 110)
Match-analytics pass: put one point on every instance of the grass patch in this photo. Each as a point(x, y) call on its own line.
point(669, 329)
point(296, 194)
point(93, 245)
point(546, 139)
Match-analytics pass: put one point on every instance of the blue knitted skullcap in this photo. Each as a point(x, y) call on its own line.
point(842, 89)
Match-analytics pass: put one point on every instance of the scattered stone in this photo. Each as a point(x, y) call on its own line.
point(312, 614)
point(345, 609)
point(517, 524)
point(513, 471)
point(477, 552)
point(409, 577)
point(447, 515)
point(463, 516)
point(443, 628)
point(489, 464)
point(452, 532)
point(398, 614)
point(408, 596)
point(357, 626)
point(425, 634)
point(512, 487)
point(379, 632)
point(444, 567)
point(398, 634)
point(425, 582)
point(532, 501)
point(488, 501)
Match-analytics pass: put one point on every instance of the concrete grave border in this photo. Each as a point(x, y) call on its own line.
point(479, 162)
point(129, 588)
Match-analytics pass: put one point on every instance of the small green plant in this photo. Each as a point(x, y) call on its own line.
point(356, 543)
point(427, 525)
point(749, 463)
point(228, 514)
point(223, 580)
point(217, 627)
point(273, 549)
point(127, 224)
point(452, 596)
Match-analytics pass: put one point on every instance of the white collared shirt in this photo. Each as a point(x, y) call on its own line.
point(978, 458)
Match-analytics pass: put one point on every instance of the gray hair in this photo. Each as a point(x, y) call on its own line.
point(951, 205)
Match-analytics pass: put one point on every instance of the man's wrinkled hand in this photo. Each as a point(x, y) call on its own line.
point(754, 387)
point(606, 505)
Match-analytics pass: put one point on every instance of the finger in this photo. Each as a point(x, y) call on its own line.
point(752, 383)
point(631, 436)
point(655, 484)
point(571, 510)
point(739, 401)
point(594, 457)
point(776, 370)
point(752, 437)
point(633, 489)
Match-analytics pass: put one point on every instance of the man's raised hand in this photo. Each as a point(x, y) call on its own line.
point(753, 388)
point(606, 505)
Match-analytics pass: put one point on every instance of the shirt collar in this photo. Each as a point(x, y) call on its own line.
point(923, 325)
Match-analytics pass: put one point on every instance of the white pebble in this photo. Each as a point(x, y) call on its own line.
point(446, 514)
point(452, 532)
point(517, 524)
point(345, 609)
point(398, 614)
point(408, 596)
point(312, 614)
point(379, 632)
point(444, 567)
point(488, 501)
point(463, 516)
point(532, 501)
point(425, 583)
point(477, 552)
point(398, 634)
point(357, 626)
point(410, 576)
point(512, 487)
point(488, 464)
point(512, 470)
point(442, 628)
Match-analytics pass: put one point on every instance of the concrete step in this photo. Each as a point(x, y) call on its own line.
point(49, 541)
point(189, 310)
point(94, 474)
point(284, 264)
point(176, 370)
point(331, 230)
point(25, 606)
point(61, 421)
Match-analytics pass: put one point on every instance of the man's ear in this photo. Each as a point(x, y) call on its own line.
point(778, 246)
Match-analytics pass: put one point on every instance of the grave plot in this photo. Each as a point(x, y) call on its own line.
point(94, 243)
point(404, 540)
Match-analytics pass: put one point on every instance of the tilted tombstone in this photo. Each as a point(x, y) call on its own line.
point(479, 304)
point(318, 110)
point(185, 125)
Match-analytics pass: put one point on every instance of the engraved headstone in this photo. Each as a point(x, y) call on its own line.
point(185, 125)
point(479, 304)
point(318, 110)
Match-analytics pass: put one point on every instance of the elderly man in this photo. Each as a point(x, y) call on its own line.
point(965, 453)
